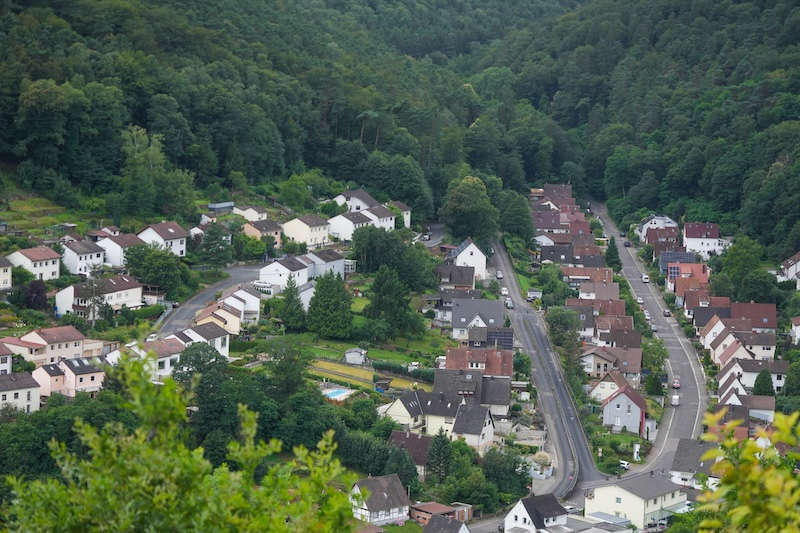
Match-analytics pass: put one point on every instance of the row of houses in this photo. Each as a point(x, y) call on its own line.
point(273, 277)
point(696, 238)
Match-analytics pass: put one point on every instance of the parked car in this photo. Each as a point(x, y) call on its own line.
point(676, 383)
point(645, 278)
point(676, 400)
point(504, 291)
point(627, 244)
point(426, 236)
point(667, 312)
point(152, 337)
point(640, 300)
point(509, 303)
point(625, 465)
point(646, 314)
point(499, 274)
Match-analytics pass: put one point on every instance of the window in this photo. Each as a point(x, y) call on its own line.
point(16, 396)
point(161, 365)
point(629, 408)
point(80, 380)
point(618, 406)
point(779, 378)
point(4, 397)
point(618, 499)
point(29, 395)
point(91, 378)
point(515, 518)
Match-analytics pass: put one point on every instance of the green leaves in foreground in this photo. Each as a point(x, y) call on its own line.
point(148, 480)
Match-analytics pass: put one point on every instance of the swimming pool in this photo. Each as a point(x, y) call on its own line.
point(335, 393)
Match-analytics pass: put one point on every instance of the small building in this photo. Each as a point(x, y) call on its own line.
point(591, 290)
point(20, 391)
point(54, 344)
point(309, 229)
point(221, 207)
point(468, 314)
point(82, 257)
point(208, 333)
point(422, 512)
point(455, 277)
point(81, 375)
point(445, 524)
point(654, 222)
point(405, 212)
point(305, 292)
point(644, 500)
point(167, 352)
point(607, 385)
point(260, 229)
point(381, 217)
point(764, 317)
point(343, 226)
point(474, 424)
point(50, 379)
point(355, 356)
point(116, 246)
point(43, 262)
point(324, 261)
point(356, 200)
point(625, 410)
point(84, 299)
point(278, 273)
point(535, 513)
point(251, 213)
point(703, 239)
point(383, 500)
point(222, 314)
point(467, 254)
point(168, 235)
point(417, 446)
point(490, 361)
point(248, 297)
point(5, 274)
point(689, 462)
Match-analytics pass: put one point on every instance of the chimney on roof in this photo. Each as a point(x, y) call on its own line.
point(441, 396)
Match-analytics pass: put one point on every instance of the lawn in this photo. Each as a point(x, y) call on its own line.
point(336, 378)
point(409, 527)
point(357, 372)
point(359, 303)
point(359, 376)
point(525, 283)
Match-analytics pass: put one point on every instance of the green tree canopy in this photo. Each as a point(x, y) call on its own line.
point(329, 311)
point(290, 308)
point(763, 384)
point(467, 210)
point(390, 301)
point(440, 456)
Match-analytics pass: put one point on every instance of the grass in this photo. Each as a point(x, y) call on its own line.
point(359, 303)
point(359, 376)
point(525, 283)
point(362, 373)
point(409, 527)
point(654, 409)
point(334, 377)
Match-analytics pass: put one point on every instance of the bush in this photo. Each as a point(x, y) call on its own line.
point(148, 312)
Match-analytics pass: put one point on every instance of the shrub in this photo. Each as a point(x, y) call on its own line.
point(148, 312)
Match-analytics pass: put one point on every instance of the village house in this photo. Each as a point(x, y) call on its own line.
point(443, 523)
point(47, 345)
point(654, 222)
point(81, 257)
point(764, 317)
point(472, 386)
point(405, 212)
point(746, 371)
point(85, 299)
point(248, 297)
point(703, 239)
point(167, 235)
point(309, 229)
point(607, 385)
point(548, 222)
point(722, 342)
point(198, 233)
point(442, 302)
point(260, 229)
point(625, 409)
point(490, 361)
point(662, 235)
point(167, 353)
point(701, 316)
point(209, 333)
point(50, 379)
point(698, 271)
point(621, 338)
point(380, 500)
point(790, 269)
point(5, 274)
point(467, 254)
point(455, 277)
point(323, 261)
point(116, 246)
point(251, 213)
point(416, 444)
point(535, 513)
point(43, 262)
point(224, 315)
point(759, 407)
point(761, 345)
point(6, 359)
point(586, 316)
point(689, 462)
point(795, 331)
point(343, 226)
point(382, 217)
point(574, 276)
point(20, 391)
point(278, 273)
point(599, 307)
point(474, 424)
point(591, 290)
point(496, 338)
point(305, 292)
point(644, 499)
point(468, 314)
point(356, 200)
point(717, 325)
point(605, 324)
point(674, 256)
point(597, 361)
point(81, 375)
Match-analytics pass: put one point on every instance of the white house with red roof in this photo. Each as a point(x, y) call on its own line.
point(83, 299)
point(625, 410)
point(47, 345)
point(168, 235)
point(764, 317)
point(356, 200)
point(43, 262)
point(703, 238)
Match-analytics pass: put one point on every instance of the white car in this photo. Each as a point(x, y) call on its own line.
point(645, 278)
point(499, 274)
point(647, 315)
point(640, 300)
point(504, 291)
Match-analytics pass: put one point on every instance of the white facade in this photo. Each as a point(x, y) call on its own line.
point(343, 227)
point(603, 389)
point(250, 213)
point(748, 379)
point(654, 222)
point(378, 518)
point(324, 265)
point(359, 201)
point(480, 442)
point(177, 246)
point(306, 292)
point(19, 391)
point(220, 343)
point(115, 254)
point(518, 519)
point(45, 269)
point(617, 501)
point(251, 305)
point(381, 217)
point(795, 332)
point(472, 256)
point(5, 274)
point(67, 301)
point(277, 275)
point(299, 231)
point(82, 262)
point(705, 248)
point(461, 332)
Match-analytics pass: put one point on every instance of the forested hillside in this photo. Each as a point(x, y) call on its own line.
point(248, 93)
point(691, 107)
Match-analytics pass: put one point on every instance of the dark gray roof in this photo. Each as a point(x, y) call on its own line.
point(81, 366)
point(442, 524)
point(357, 217)
point(688, 456)
point(328, 255)
point(53, 370)
point(416, 444)
point(385, 493)
point(478, 335)
point(433, 403)
point(209, 330)
point(502, 337)
point(381, 212)
point(473, 386)
point(291, 263)
point(541, 507)
point(411, 402)
point(399, 205)
point(266, 226)
point(496, 390)
point(4, 262)
point(312, 220)
point(106, 286)
point(490, 311)
point(460, 248)
point(554, 253)
point(470, 419)
point(672, 256)
point(585, 314)
point(362, 195)
point(84, 247)
point(448, 295)
point(775, 366)
point(647, 487)
point(756, 339)
point(457, 275)
point(168, 230)
point(703, 314)
point(17, 380)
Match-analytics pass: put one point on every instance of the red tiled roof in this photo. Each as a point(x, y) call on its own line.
point(630, 393)
point(762, 315)
point(40, 253)
point(59, 334)
point(701, 230)
point(661, 234)
point(125, 240)
point(497, 362)
point(593, 273)
point(168, 230)
point(684, 284)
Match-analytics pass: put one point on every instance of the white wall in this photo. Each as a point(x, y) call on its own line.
point(26, 400)
point(5, 278)
point(81, 263)
point(176, 246)
point(472, 256)
point(278, 276)
point(115, 255)
point(43, 270)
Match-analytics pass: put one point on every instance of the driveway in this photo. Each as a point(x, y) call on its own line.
point(181, 318)
point(686, 420)
point(437, 234)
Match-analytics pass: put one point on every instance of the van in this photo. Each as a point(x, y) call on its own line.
point(625, 465)
point(676, 400)
point(645, 278)
point(499, 274)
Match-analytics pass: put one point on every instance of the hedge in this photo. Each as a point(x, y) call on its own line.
point(151, 311)
point(422, 374)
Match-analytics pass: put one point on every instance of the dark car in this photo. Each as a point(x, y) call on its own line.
point(627, 244)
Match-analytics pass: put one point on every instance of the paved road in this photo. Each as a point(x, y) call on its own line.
point(181, 318)
point(437, 234)
point(685, 421)
point(554, 399)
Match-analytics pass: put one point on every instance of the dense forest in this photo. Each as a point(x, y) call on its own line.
point(139, 106)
